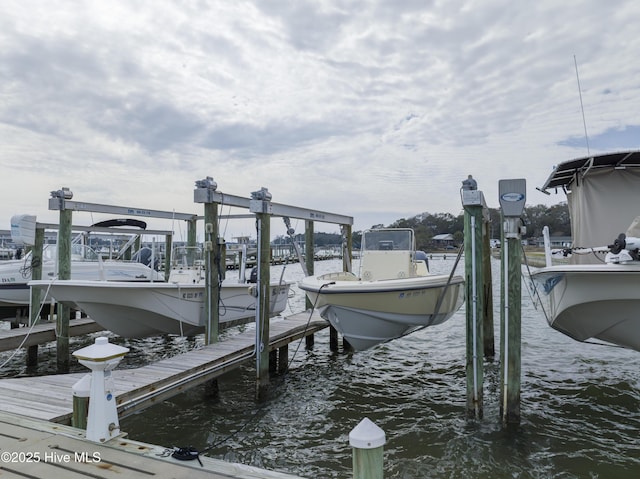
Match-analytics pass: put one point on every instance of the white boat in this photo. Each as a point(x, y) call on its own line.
point(597, 294)
point(86, 265)
point(393, 295)
point(135, 310)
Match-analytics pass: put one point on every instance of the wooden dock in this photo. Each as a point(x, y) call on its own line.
point(50, 397)
point(39, 449)
point(43, 332)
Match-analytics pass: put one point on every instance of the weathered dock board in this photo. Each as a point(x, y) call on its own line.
point(44, 332)
point(50, 397)
point(39, 449)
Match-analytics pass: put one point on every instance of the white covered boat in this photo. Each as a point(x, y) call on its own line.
point(393, 295)
point(135, 310)
point(86, 265)
point(597, 295)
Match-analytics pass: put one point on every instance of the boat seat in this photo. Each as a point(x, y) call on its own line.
point(377, 265)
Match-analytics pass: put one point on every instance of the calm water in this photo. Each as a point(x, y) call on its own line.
point(580, 405)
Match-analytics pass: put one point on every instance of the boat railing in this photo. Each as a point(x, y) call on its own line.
point(338, 276)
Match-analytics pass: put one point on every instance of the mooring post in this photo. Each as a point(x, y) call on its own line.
point(192, 228)
point(347, 248)
point(36, 293)
point(204, 193)
point(512, 200)
point(474, 206)
point(168, 245)
point(309, 263)
point(347, 252)
point(260, 204)
point(367, 441)
point(81, 391)
point(58, 199)
point(487, 287)
point(283, 359)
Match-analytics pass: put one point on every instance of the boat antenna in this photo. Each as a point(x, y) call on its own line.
point(584, 121)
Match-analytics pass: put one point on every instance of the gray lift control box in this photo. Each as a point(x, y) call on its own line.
point(512, 196)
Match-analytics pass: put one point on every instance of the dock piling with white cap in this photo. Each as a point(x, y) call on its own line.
point(367, 441)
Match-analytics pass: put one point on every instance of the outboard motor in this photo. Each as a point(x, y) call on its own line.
point(422, 256)
point(144, 256)
point(253, 277)
point(624, 249)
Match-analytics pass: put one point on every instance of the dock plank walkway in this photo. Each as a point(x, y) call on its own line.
point(50, 397)
point(44, 332)
point(38, 449)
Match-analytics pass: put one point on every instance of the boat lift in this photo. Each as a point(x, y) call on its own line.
point(260, 207)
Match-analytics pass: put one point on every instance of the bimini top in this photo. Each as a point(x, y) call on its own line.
point(564, 173)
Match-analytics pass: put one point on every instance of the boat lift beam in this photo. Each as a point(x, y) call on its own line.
point(206, 195)
point(102, 229)
point(66, 204)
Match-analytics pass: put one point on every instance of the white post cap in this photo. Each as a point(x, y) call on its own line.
point(366, 435)
point(82, 388)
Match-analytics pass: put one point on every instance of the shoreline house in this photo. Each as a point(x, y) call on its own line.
point(443, 241)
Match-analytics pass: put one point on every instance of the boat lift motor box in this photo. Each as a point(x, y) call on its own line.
point(23, 229)
point(512, 196)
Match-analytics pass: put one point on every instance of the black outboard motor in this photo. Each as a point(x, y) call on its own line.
point(253, 277)
point(422, 256)
point(144, 256)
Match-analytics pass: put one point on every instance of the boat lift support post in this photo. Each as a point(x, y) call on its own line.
point(263, 208)
point(205, 193)
point(476, 274)
point(260, 205)
point(64, 272)
point(512, 196)
point(35, 297)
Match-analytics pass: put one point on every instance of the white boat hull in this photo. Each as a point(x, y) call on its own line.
point(368, 313)
point(593, 301)
point(135, 310)
point(15, 275)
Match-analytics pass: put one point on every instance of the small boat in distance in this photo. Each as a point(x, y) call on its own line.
point(393, 295)
point(597, 295)
point(136, 310)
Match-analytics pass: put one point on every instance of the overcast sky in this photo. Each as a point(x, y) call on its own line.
point(376, 109)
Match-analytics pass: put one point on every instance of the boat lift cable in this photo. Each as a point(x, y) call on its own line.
point(290, 232)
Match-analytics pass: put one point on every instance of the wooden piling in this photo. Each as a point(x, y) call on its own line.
point(64, 272)
point(283, 358)
point(36, 293)
point(212, 268)
point(487, 313)
point(168, 246)
point(367, 441)
point(510, 318)
point(309, 263)
point(473, 203)
point(261, 208)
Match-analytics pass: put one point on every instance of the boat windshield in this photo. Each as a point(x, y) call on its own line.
point(388, 240)
point(187, 257)
point(79, 252)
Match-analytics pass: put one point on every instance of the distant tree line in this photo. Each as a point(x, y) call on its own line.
point(427, 225)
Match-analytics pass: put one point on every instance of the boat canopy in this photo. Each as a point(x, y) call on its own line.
point(602, 195)
point(567, 172)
